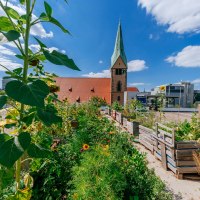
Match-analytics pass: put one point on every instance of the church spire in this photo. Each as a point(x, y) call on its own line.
point(119, 47)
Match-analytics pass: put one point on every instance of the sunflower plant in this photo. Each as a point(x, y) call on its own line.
point(28, 89)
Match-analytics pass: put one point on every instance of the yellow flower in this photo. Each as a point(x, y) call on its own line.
point(105, 147)
point(86, 147)
point(162, 88)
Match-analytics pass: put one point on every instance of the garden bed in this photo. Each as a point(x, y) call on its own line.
point(176, 156)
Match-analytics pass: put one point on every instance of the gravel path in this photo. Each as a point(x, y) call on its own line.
point(182, 189)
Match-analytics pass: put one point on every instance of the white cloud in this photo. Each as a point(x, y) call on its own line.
point(6, 51)
point(181, 16)
point(137, 84)
point(6, 59)
point(100, 61)
point(36, 30)
point(133, 66)
point(196, 81)
point(136, 65)
point(103, 74)
point(188, 57)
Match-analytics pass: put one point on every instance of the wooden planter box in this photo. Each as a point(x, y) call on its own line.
point(124, 122)
point(133, 127)
point(185, 162)
point(109, 111)
point(119, 117)
point(176, 156)
point(113, 114)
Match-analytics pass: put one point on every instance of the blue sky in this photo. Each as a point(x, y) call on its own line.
point(161, 38)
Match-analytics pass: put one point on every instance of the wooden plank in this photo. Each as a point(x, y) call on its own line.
point(181, 163)
point(170, 166)
point(188, 158)
point(165, 127)
point(171, 161)
point(141, 131)
point(161, 140)
point(184, 153)
point(147, 145)
point(174, 169)
point(157, 155)
point(145, 128)
point(194, 177)
point(163, 156)
point(168, 153)
point(147, 140)
point(187, 145)
point(186, 170)
point(165, 133)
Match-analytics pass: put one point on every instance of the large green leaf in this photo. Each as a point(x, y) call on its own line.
point(48, 116)
point(12, 35)
point(58, 58)
point(22, 1)
point(48, 9)
point(36, 151)
point(5, 24)
point(12, 13)
point(29, 118)
point(32, 94)
point(12, 149)
point(3, 100)
point(3, 138)
point(24, 139)
point(42, 45)
point(57, 23)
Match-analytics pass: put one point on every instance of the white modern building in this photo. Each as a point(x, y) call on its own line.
point(182, 94)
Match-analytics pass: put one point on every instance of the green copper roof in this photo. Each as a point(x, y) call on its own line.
point(119, 47)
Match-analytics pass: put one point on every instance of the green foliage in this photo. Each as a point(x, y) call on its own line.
point(13, 148)
point(97, 101)
point(3, 100)
point(28, 92)
point(32, 94)
point(6, 179)
point(188, 130)
point(116, 106)
point(5, 24)
point(133, 108)
point(12, 35)
point(111, 168)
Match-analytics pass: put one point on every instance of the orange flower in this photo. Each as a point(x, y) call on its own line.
point(111, 132)
point(86, 147)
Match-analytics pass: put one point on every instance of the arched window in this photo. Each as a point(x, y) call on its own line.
point(118, 98)
point(119, 86)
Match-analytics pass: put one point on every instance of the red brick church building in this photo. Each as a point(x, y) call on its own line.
point(110, 89)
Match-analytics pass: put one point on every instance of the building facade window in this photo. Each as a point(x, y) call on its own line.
point(118, 98)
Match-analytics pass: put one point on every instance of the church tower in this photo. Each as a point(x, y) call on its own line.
point(118, 70)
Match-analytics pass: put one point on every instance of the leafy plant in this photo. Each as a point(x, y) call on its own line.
point(116, 106)
point(28, 87)
point(188, 130)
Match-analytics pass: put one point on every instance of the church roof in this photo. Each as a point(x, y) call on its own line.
point(132, 89)
point(119, 48)
point(82, 89)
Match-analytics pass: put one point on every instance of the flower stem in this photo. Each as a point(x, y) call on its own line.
point(25, 75)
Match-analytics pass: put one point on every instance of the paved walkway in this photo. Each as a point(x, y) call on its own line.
point(181, 189)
